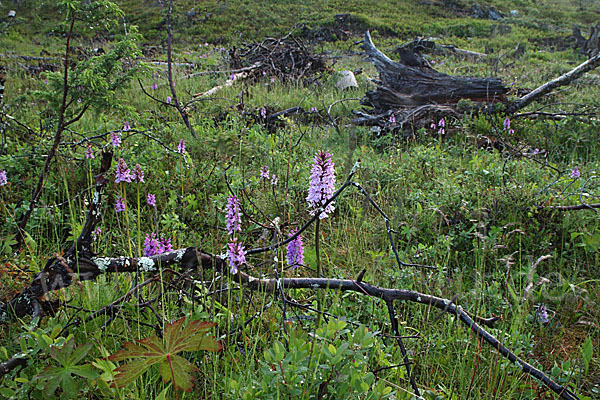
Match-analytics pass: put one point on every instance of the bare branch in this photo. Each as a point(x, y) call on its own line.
point(181, 110)
point(191, 258)
point(562, 80)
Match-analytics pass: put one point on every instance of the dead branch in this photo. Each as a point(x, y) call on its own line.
point(29, 58)
point(582, 194)
point(286, 58)
point(2, 114)
point(421, 45)
point(243, 74)
point(180, 108)
point(192, 258)
point(547, 87)
point(574, 207)
point(11, 364)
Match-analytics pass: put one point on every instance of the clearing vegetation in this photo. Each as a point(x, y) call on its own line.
point(362, 200)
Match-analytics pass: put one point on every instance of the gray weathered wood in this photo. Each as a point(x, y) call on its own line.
point(412, 84)
point(562, 80)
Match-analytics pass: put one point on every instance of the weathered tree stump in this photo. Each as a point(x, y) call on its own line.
point(590, 46)
point(412, 84)
point(412, 92)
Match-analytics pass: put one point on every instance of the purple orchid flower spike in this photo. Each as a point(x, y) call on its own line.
point(322, 183)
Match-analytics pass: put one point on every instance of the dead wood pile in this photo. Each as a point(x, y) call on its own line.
point(286, 58)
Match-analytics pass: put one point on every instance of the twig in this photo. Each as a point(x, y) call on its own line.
point(341, 101)
point(182, 112)
point(571, 208)
point(390, 306)
point(11, 364)
point(246, 322)
point(389, 230)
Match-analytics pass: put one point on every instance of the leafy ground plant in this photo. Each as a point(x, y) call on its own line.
point(336, 365)
point(482, 214)
point(63, 375)
point(164, 352)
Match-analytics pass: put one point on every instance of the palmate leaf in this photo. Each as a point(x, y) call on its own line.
point(152, 350)
point(62, 376)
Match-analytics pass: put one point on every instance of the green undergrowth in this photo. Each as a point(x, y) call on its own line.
point(478, 213)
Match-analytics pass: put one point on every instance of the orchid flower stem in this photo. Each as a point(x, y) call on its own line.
point(139, 231)
point(318, 262)
point(90, 177)
point(126, 211)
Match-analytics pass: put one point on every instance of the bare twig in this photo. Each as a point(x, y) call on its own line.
point(11, 364)
point(571, 208)
point(176, 103)
point(390, 306)
point(530, 276)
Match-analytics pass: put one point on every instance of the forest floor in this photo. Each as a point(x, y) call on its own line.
point(478, 198)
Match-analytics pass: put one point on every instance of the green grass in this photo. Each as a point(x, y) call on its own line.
point(470, 212)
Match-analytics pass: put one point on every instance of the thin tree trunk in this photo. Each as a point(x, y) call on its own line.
point(57, 137)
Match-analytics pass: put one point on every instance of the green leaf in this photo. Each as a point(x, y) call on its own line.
point(6, 392)
point(85, 371)
point(154, 350)
point(162, 395)
point(79, 353)
point(30, 242)
point(61, 376)
point(332, 349)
